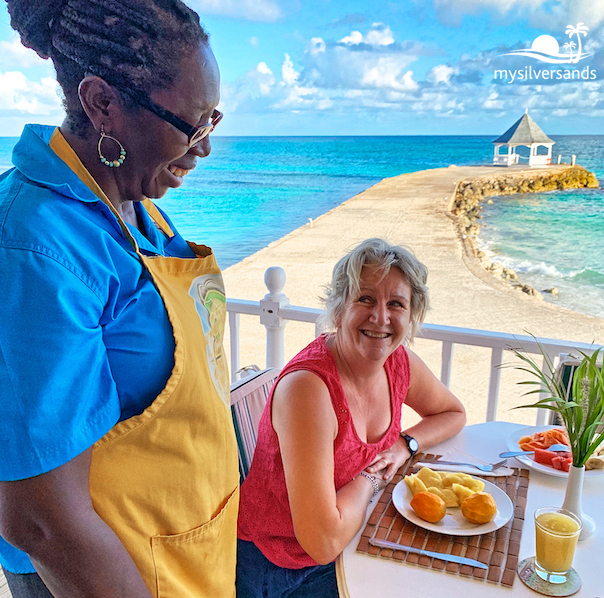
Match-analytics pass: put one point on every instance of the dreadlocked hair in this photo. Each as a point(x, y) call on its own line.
point(134, 45)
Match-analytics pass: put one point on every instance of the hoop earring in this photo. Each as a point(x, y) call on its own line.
point(111, 163)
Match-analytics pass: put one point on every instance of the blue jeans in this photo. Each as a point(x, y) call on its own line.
point(257, 577)
point(28, 585)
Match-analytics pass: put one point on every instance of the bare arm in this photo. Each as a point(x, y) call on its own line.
point(76, 554)
point(442, 415)
point(324, 520)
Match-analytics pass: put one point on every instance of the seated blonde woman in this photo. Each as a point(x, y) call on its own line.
point(330, 436)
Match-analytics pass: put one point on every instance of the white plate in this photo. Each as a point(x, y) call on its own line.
point(512, 444)
point(454, 523)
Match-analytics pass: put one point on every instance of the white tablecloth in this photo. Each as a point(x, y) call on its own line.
point(371, 577)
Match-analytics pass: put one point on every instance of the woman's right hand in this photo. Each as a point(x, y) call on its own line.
point(388, 462)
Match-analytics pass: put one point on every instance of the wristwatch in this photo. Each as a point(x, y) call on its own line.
point(412, 445)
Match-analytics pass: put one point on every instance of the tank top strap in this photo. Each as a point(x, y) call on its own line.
point(319, 360)
point(399, 373)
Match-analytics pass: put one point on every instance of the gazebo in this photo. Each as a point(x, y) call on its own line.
point(524, 132)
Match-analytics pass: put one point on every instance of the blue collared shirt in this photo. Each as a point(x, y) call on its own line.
point(85, 340)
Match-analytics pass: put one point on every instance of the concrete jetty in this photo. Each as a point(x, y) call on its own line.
point(414, 209)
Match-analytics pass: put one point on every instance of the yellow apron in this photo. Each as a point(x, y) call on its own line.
point(166, 481)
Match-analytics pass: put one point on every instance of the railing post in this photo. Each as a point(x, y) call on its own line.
point(446, 363)
point(273, 301)
point(496, 359)
point(234, 337)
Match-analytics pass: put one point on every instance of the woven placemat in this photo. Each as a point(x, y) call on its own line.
point(499, 549)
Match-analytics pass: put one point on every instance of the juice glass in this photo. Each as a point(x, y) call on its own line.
point(556, 533)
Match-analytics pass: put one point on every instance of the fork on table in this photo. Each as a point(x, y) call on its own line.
point(488, 467)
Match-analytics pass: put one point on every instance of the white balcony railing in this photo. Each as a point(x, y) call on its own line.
point(274, 312)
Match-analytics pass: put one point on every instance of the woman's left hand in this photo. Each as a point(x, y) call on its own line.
point(388, 462)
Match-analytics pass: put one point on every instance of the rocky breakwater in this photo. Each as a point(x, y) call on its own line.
point(470, 194)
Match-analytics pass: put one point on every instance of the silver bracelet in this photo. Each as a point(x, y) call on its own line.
point(376, 488)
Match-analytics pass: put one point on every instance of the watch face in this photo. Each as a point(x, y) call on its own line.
point(412, 444)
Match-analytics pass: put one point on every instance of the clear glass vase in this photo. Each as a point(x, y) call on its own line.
point(573, 500)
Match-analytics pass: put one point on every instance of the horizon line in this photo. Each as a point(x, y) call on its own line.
point(365, 135)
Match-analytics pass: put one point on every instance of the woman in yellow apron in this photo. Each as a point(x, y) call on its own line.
point(107, 491)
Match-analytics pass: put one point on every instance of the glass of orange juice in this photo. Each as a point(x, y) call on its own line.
point(556, 533)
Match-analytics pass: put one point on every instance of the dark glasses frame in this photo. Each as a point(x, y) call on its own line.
point(194, 133)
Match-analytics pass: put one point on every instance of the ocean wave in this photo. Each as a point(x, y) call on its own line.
point(589, 276)
point(540, 268)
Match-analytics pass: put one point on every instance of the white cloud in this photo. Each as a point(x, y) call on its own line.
point(257, 83)
point(316, 46)
point(386, 73)
point(441, 73)
point(356, 37)
point(378, 35)
point(290, 76)
point(253, 41)
point(266, 11)
point(263, 77)
point(493, 102)
point(15, 55)
point(22, 95)
point(295, 96)
point(360, 61)
point(554, 14)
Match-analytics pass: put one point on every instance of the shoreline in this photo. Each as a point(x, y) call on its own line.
point(466, 207)
point(411, 209)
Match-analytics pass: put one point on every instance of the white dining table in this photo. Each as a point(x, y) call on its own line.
point(373, 577)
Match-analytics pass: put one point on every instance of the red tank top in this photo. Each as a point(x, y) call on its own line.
point(264, 515)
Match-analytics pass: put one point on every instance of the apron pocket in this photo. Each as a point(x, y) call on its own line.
point(199, 563)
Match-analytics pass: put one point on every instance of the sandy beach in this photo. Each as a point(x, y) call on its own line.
point(411, 209)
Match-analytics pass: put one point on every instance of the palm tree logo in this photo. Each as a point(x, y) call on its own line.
point(547, 49)
point(570, 46)
point(579, 30)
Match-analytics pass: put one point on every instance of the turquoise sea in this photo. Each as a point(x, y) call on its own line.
point(254, 190)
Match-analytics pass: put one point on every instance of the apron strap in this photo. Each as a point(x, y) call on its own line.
point(58, 144)
point(157, 217)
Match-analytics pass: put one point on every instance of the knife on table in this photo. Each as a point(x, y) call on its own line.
point(435, 555)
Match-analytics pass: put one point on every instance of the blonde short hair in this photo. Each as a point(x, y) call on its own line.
point(376, 253)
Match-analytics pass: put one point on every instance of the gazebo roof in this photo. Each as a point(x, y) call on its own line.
point(524, 132)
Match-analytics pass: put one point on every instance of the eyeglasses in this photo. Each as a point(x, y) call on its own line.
point(195, 134)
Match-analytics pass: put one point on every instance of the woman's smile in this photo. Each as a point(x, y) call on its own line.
point(178, 172)
point(373, 334)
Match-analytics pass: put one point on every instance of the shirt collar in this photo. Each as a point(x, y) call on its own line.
point(39, 163)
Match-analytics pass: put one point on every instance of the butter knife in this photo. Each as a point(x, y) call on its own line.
point(435, 555)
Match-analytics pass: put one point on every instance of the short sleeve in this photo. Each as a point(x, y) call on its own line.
point(57, 393)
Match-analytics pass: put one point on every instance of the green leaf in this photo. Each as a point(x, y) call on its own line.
point(581, 405)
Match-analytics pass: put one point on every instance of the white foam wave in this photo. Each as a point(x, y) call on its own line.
point(531, 268)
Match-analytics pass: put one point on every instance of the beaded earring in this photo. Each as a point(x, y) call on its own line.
point(110, 163)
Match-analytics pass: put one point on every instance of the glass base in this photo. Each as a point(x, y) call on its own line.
point(557, 577)
point(527, 571)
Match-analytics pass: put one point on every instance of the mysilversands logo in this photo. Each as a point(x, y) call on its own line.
point(547, 49)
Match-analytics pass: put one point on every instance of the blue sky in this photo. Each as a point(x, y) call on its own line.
point(351, 67)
